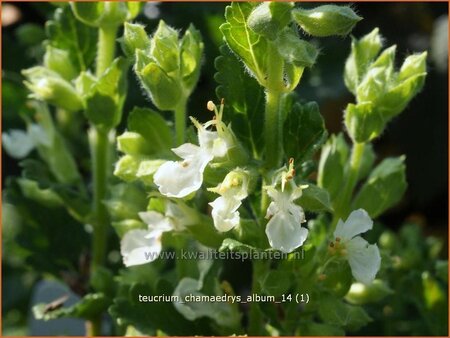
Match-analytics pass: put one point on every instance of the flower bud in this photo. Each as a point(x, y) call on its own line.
point(333, 158)
point(362, 54)
point(364, 123)
point(59, 61)
point(295, 50)
point(191, 56)
point(102, 14)
point(49, 86)
point(269, 18)
point(134, 37)
point(164, 91)
point(132, 143)
point(326, 20)
point(165, 49)
point(360, 293)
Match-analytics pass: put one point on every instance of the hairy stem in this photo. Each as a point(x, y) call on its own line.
point(106, 48)
point(100, 157)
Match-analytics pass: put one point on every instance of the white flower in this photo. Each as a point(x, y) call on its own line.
point(224, 213)
point(364, 258)
point(180, 178)
point(139, 246)
point(284, 229)
point(233, 189)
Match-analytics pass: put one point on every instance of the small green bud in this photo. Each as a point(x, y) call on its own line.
point(269, 18)
point(414, 65)
point(326, 20)
point(295, 50)
point(363, 52)
point(59, 61)
point(360, 294)
point(132, 143)
point(332, 162)
point(165, 49)
point(191, 56)
point(103, 14)
point(134, 37)
point(49, 86)
point(164, 91)
point(127, 167)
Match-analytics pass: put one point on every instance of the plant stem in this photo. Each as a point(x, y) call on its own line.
point(273, 124)
point(343, 206)
point(106, 48)
point(180, 122)
point(255, 326)
point(100, 157)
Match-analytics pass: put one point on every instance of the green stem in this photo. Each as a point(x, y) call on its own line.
point(343, 205)
point(100, 157)
point(100, 149)
point(180, 122)
point(256, 325)
point(106, 48)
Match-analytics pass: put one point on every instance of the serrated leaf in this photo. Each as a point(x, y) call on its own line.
point(248, 45)
point(304, 131)
point(244, 99)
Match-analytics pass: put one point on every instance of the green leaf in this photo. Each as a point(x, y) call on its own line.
point(105, 99)
point(244, 99)
point(152, 127)
point(65, 33)
point(335, 312)
point(132, 143)
point(332, 162)
point(128, 310)
point(246, 44)
point(384, 187)
point(315, 199)
point(316, 329)
point(269, 18)
point(326, 20)
point(363, 121)
point(304, 131)
point(276, 282)
point(90, 305)
point(367, 161)
point(126, 201)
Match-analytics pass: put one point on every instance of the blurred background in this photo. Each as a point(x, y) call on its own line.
point(420, 132)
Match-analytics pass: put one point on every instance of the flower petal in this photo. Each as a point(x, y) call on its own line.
point(271, 210)
point(17, 143)
point(357, 223)
point(179, 179)
point(187, 150)
point(364, 259)
point(137, 250)
point(285, 232)
point(224, 213)
point(157, 223)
